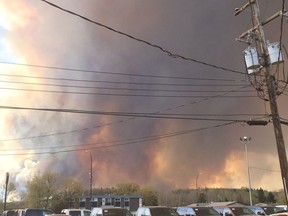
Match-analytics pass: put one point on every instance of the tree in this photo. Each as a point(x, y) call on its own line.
point(202, 198)
point(40, 190)
point(150, 197)
point(239, 198)
point(271, 198)
point(68, 195)
point(72, 189)
point(127, 188)
point(261, 196)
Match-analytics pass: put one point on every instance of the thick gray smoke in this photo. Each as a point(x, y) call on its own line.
point(201, 30)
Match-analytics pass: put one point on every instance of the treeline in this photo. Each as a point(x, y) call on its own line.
point(51, 191)
point(207, 195)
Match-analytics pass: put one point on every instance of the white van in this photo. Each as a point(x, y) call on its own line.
point(76, 212)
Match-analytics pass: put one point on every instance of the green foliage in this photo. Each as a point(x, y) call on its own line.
point(201, 198)
point(261, 196)
point(68, 195)
point(271, 198)
point(279, 196)
point(127, 188)
point(150, 197)
point(188, 196)
point(43, 193)
point(72, 189)
point(40, 191)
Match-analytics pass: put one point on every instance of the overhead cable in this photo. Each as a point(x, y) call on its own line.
point(117, 82)
point(122, 94)
point(125, 120)
point(115, 88)
point(118, 145)
point(113, 73)
point(269, 170)
point(143, 115)
point(137, 139)
point(173, 55)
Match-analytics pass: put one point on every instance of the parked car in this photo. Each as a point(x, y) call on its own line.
point(283, 207)
point(9, 213)
point(156, 211)
point(33, 212)
point(76, 212)
point(56, 214)
point(234, 211)
point(110, 211)
point(265, 210)
point(282, 213)
point(197, 211)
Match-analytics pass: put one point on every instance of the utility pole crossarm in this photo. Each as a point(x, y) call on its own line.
point(274, 16)
point(284, 122)
point(239, 10)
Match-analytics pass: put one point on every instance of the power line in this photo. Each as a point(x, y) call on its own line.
point(111, 73)
point(269, 170)
point(121, 144)
point(173, 55)
point(126, 120)
point(137, 139)
point(142, 115)
point(118, 82)
point(114, 88)
point(122, 121)
point(121, 95)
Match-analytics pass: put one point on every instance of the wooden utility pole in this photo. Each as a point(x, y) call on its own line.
point(6, 188)
point(270, 84)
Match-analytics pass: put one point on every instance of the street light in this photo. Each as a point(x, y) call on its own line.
point(196, 185)
point(91, 178)
point(245, 140)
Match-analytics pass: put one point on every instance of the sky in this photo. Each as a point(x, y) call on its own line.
point(120, 61)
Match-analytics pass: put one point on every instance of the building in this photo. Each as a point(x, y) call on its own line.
point(130, 202)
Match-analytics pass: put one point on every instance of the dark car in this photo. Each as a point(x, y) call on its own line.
point(33, 212)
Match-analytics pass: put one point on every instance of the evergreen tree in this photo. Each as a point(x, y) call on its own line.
point(261, 196)
point(271, 198)
point(202, 198)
